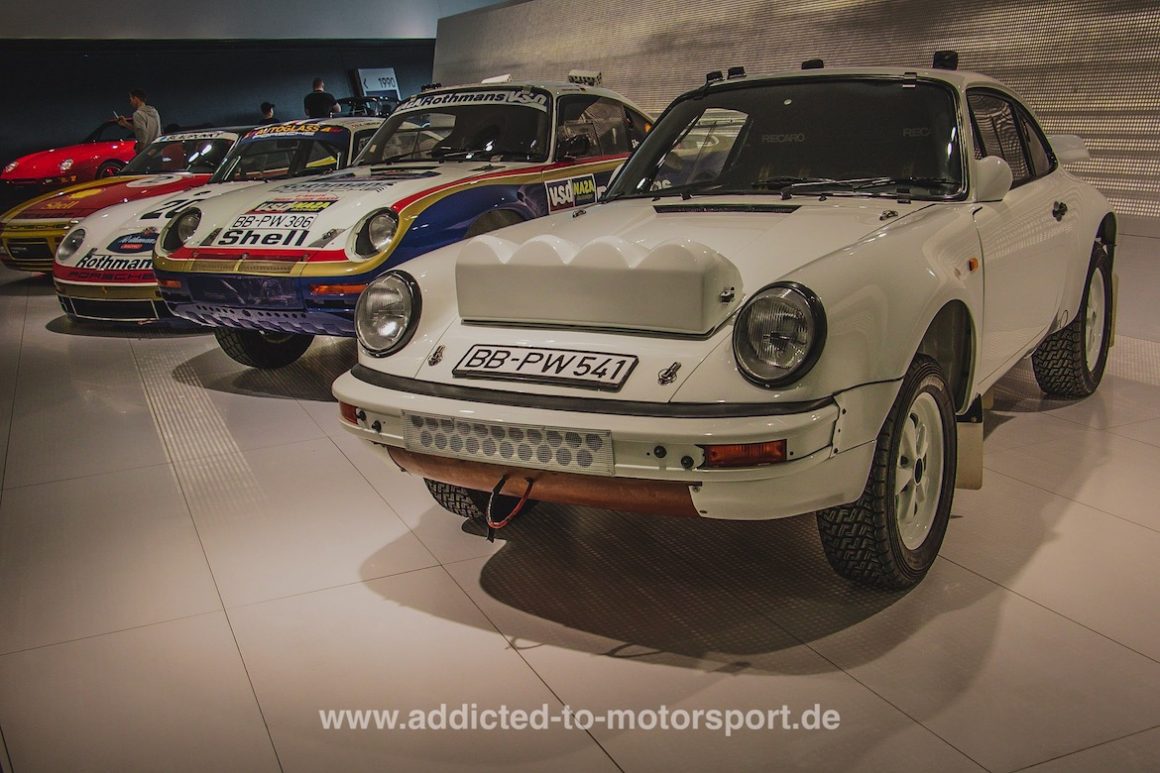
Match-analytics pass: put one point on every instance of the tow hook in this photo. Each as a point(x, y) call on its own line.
point(489, 517)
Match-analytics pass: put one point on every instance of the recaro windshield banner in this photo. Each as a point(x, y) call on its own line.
point(534, 99)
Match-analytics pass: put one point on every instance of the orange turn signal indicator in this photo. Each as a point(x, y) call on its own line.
point(338, 289)
point(745, 454)
point(169, 284)
point(348, 412)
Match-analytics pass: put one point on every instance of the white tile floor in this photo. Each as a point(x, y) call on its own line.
point(194, 560)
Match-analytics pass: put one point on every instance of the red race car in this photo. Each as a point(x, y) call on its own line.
point(104, 152)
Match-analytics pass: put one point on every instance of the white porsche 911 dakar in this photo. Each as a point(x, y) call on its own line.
point(787, 298)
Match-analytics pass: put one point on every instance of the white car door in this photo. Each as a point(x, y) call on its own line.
point(1024, 237)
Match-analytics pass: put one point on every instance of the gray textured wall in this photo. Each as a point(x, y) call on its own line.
point(1086, 67)
point(226, 19)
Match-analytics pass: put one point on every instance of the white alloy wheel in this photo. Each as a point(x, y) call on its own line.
point(1094, 319)
point(919, 471)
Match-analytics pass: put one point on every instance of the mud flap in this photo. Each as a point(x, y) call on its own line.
point(1115, 307)
point(969, 473)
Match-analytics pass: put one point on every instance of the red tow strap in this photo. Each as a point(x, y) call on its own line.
point(492, 524)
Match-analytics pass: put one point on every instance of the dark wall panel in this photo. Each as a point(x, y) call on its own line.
point(59, 90)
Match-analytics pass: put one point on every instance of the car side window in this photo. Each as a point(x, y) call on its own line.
point(1036, 146)
point(590, 126)
point(638, 126)
point(998, 133)
point(361, 139)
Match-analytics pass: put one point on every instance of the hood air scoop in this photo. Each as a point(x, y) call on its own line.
point(679, 286)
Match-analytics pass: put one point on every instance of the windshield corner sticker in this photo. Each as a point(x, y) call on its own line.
point(522, 97)
point(572, 192)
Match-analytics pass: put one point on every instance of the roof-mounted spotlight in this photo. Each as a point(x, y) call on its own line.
point(713, 77)
point(736, 72)
point(585, 77)
point(430, 86)
point(946, 60)
point(813, 64)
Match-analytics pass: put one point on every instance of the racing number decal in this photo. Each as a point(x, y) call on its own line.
point(166, 210)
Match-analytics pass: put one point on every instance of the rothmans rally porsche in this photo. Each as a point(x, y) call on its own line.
point(271, 268)
point(104, 266)
point(31, 232)
point(783, 303)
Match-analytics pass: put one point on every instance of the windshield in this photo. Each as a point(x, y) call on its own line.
point(821, 135)
point(276, 157)
point(503, 125)
point(192, 155)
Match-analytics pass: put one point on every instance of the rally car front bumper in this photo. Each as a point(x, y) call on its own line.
point(656, 463)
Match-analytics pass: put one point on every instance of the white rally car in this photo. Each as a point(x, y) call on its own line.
point(789, 294)
point(103, 268)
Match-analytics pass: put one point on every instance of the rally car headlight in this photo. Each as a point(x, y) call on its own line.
point(779, 334)
point(11, 167)
point(387, 313)
point(66, 165)
point(181, 229)
point(70, 244)
point(375, 233)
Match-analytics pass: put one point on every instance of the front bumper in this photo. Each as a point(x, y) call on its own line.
point(112, 303)
point(665, 454)
point(32, 247)
point(253, 302)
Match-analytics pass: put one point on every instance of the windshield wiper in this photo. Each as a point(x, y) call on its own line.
point(785, 183)
point(921, 182)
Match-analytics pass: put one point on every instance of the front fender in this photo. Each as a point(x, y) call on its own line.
point(880, 296)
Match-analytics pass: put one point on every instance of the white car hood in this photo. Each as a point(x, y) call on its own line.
point(660, 265)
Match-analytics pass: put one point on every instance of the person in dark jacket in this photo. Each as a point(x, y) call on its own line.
point(320, 103)
point(268, 118)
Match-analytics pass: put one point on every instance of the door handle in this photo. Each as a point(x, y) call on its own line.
point(1059, 210)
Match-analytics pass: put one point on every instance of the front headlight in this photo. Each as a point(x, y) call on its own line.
point(11, 167)
point(387, 313)
point(66, 165)
point(70, 244)
point(779, 334)
point(181, 229)
point(375, 233)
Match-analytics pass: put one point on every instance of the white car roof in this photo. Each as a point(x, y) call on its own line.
point(960, 79)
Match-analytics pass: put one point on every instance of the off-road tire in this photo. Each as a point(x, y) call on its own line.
point(259, 349)
point(469, 503)
point(862, 540)
point(1060, 362)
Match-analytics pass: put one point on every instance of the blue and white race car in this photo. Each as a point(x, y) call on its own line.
point(272, 267)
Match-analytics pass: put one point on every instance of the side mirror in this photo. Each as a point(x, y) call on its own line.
point(576, 146)
point(1068, 148)
point(992, 179)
